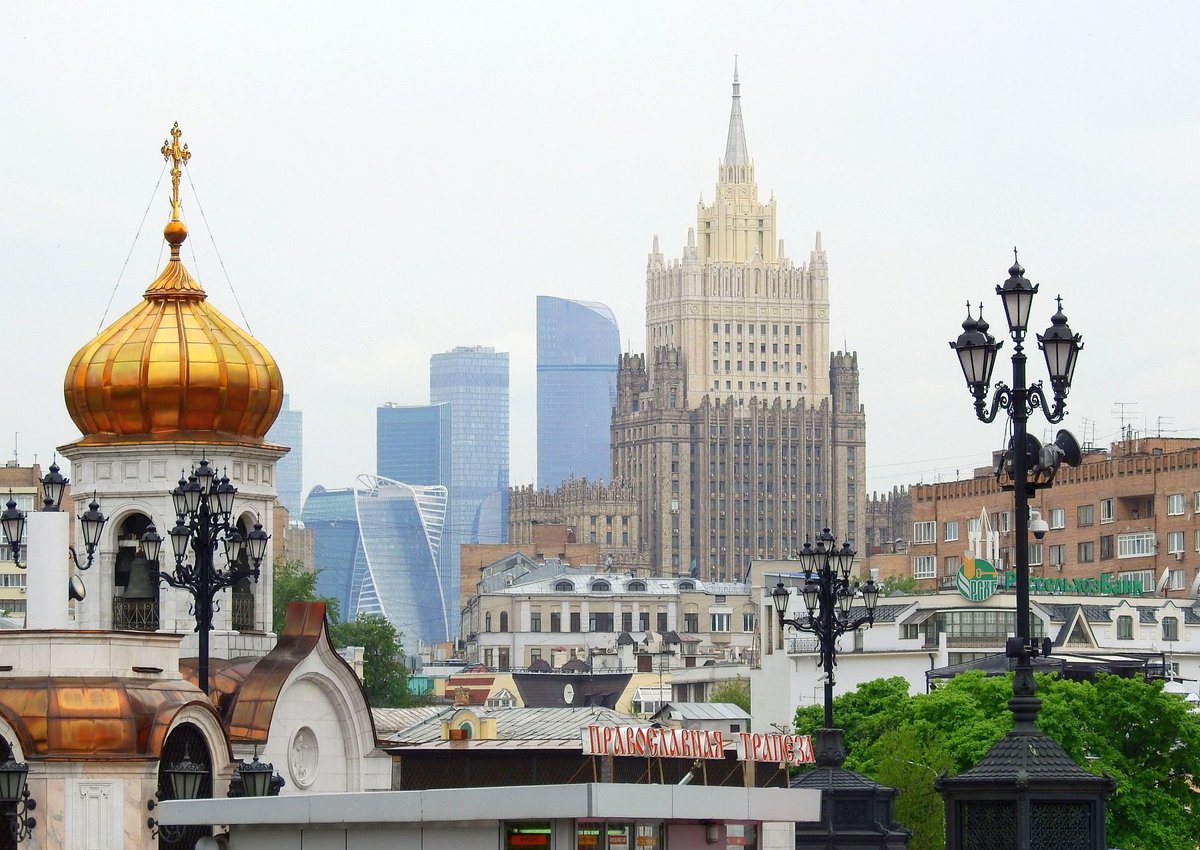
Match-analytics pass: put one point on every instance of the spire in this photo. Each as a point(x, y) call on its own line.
point(735, 144)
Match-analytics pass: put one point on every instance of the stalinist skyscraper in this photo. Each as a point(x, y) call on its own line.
point(740, 432)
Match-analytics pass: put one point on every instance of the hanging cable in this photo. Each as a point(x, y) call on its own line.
point(125, 265)
point(217, 251)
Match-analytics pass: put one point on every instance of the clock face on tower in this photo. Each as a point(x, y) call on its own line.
point(569, 694)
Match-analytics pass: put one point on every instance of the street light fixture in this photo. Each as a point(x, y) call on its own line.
point(186, 777)
point(13, 523)
point(14, 794)
point(829, 599)
point(205, 503)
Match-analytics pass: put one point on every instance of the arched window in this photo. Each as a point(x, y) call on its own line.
point(564, 587)
point(186, 741)
point(504, 621)
point(637, 586)
point(687, 584)
point(465, 728)
point(487, 622)
point(601, 585)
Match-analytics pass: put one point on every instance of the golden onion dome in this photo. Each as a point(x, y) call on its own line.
point(173, 368)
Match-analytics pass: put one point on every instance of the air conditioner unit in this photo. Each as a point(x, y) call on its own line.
point(1178, 556)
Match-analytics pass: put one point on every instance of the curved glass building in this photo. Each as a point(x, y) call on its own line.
point(377, 547)
point(578, 346)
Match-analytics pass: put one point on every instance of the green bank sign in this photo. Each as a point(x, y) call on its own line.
point(1106, 585)
point(978, 579)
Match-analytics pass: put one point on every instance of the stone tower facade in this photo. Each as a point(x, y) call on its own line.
point(740, 433)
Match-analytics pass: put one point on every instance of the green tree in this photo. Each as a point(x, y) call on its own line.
point(736, 691)
point(898, 586)
point(291, 582)
point(385, 677)
point(1128, 728)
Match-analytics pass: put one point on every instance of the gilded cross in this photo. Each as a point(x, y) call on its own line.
point(173, 151)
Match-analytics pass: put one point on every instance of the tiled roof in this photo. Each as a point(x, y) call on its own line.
point(1019, 757)
point(389, 720)
point(1147, 615)
point(889, 613)
point(829, 778)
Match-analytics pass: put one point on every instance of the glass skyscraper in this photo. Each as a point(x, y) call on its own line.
point(578, 346)
point(288, 430)
point(378, 546)
point(412, 443)
point(474, 382)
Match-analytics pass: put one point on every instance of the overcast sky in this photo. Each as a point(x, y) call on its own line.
point(387, 181)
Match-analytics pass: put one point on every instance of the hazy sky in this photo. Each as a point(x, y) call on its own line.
point(387, 181)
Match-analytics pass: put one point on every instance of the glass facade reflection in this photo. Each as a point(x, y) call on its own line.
point(578, 346)
point(288, 430)
point(412, 443)
point(474, 382)
point(377, 547)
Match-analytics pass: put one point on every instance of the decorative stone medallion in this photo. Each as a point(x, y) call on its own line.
point(303, 757)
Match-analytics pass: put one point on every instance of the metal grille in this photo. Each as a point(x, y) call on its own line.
point(989, 825)
point(185, 741)
point(242, 611)
point(135, 615)
point(1060, 825)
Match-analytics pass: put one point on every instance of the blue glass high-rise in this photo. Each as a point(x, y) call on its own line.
point(378, 548)
point(288, 430)
point(578, 346)
point(412, 443)
point(474, 381)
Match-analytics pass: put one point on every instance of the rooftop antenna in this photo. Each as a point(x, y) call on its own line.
point(15, 460)
point(1160, 421)
point(1121, 406)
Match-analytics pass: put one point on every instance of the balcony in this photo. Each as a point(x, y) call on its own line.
point(976, 642)
point(801, 645)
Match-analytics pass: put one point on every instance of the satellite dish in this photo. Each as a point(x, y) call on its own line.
point(1069, 446)
point(76, 589)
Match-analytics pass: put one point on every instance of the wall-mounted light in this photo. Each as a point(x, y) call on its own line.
point(14, 793)
point(186, 778)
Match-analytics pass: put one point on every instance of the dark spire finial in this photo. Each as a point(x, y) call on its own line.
point(1015, 270)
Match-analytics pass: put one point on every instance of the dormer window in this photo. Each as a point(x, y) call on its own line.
point(601, 586)
point(687, 585)
point(564, 587)
point(637, 586)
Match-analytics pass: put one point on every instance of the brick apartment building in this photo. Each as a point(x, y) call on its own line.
point(1132, 512)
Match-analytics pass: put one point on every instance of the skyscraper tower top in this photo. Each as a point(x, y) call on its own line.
point(735, 144)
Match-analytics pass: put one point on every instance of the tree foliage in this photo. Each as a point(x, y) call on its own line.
point(898, 586)
point(736, 691)
point(385, 678)
point(291, 582)
point(1130, 729)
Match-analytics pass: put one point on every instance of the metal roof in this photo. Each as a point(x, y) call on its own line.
point(521, 724)
point(702, 711)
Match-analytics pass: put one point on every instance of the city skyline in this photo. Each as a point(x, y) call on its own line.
point(921, 145)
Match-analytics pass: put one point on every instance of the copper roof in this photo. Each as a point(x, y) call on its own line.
point(80, 718)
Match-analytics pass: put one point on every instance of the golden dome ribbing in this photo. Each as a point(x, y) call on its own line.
point(173, 368)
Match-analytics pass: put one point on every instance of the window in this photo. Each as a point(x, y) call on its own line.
point(487, 622)
point(1058, 518)
point(1175, 504)
point(1143, 577)
point(564, 587)
point(535, 621)
point(1170, 628)
point(574, 621)
point(687, 585)
point(924, 566)
point(951, 530)
point(1057, 554)
point(1004, 521)
point(719, 622)
point(601, 586)
point(910, 631)
point(691, 622)
point(1175, 580)
point(1175, 542)
point(950, 564)
point(627, 621)
point(662, 621)
point(924, 532)
point(1196, 501)
point(1106, 548)
point(1138, 544)
point(1035, 554)
point(636, 586)
point(1087, 552)
point(504, 621)
point(600, 621)
point(973, 526)
point(1125, 628)
point(555, 622)
point(1085, 515)
point(643, 621)
point(1106, 511)
point(747, 621)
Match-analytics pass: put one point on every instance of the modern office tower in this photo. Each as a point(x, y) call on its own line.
point(740, 431)
point(474, 382)
point(578, 346)
point(288, 430)
point(378, 548)
point(412, 443)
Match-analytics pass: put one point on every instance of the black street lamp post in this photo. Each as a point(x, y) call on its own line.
point(829, 598)
point(204, 504)
point(1026, 792)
